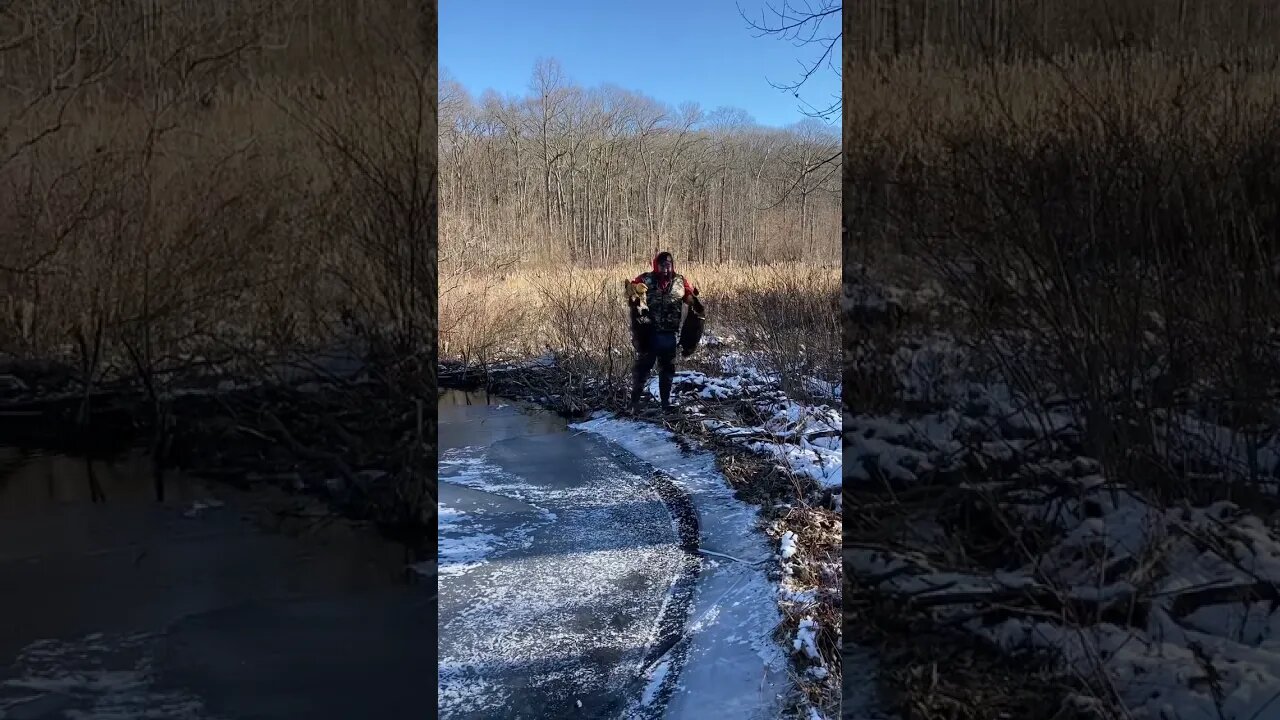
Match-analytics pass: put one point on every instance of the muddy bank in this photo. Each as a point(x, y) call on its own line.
point(363, 447)
point(540, 381)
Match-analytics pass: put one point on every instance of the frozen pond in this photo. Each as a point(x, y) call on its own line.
point(575, 579)
point(123, 601)
point(557, 562)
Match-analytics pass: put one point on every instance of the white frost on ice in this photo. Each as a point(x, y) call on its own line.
point(733, 666)
point(559, 602)
point(96, 677)
point(460, 692)
point(461, 549)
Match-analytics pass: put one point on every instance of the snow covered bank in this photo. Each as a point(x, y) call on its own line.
point(742, 413)
point(1167, 608)
point(803, 438)
point(1172, 610)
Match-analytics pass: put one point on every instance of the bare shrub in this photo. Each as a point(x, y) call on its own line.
point(196, 189)
point(379, 147)
point(483, 322)
point(381, 159)
point(1104, 220)
point(789, 317)
point(1102, 233)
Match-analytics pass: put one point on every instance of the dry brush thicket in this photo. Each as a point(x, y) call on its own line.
point(191, 179)
point(212, 188)
point(1086, 216)
point(972, 31)
point(1110, 220)
point(786, 314)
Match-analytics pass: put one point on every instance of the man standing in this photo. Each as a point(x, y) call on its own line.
point(657, 340)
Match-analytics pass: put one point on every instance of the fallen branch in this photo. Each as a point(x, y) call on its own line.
point(308, 453)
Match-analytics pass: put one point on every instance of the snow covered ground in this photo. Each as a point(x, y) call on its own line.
point(804, 438)
point(732, 399)
point(1172, 610)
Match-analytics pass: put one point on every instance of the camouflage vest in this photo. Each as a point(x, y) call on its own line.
point(665, 308)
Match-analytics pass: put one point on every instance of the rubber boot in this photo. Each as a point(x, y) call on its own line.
point(637, 391)
point(664, 390)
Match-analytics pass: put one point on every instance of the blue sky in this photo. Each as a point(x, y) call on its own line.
point(671, 50)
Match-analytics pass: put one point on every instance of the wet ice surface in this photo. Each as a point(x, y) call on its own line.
point(118, 605)
point(860, 698)
point(94, 676)
point(556, 561)
point(730, 666)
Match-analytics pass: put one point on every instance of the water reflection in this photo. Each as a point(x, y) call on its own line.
point(91, 544)
point(31, 480)
point(460, 412)
point(136, 594)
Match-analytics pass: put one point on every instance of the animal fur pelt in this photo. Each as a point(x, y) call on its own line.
point(637, 295)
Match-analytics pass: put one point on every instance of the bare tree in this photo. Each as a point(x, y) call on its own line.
point(601, 176)
point(804, 24)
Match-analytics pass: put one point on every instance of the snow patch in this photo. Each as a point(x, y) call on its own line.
point(802, 438)
point(787, 545)
point(806, 639)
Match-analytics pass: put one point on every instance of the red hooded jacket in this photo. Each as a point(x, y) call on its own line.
point(662, 284)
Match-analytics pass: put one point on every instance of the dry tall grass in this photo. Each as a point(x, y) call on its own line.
point(1110, 219)
point(785, 314)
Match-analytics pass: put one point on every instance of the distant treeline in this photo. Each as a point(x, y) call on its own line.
point(133, 46)
point(1013, 29)
point(603, 175)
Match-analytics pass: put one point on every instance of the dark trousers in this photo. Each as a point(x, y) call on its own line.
point(662, 352)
